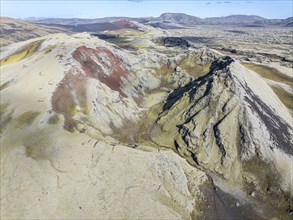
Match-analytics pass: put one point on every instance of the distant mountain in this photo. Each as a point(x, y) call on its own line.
point(172, 20)
point(13, 30)
point(98, 26)
point(177, 20)
point(77, 21)
point(180, 18)
point(235, 19)
point(288, 22)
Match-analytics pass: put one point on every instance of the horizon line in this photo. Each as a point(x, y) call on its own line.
point(49, 17)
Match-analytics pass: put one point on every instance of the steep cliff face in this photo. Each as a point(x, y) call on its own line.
point(92, 130)
point(230, 124)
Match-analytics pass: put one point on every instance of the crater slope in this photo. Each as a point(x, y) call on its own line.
point(93, 130)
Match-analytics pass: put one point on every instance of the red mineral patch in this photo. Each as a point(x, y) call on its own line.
point(101, 64)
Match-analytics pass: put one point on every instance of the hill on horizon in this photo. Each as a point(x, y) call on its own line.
point(177, 18)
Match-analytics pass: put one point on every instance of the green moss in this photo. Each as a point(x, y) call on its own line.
point(3, 109)
point(275, 75)
point(159, 131)
point(22, 54)
point(5, 117)
point(119, 41)
point(27, 118)
point(29, 152)
point(165, 73)
point(49, 49)
point(285, 97)
point(4, 86)
point(54, 119)
point(191, 65)
point(264, 179)
point(269, 73)
point(144, 133)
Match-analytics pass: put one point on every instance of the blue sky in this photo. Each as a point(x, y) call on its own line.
point(141, 8)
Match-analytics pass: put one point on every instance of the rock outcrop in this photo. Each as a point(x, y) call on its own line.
point(230, 124)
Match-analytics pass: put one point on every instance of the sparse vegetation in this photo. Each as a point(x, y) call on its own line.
point(269, 73)
point(5, 116)
point(284, 96)
point(54, 119)
point(27, 118)
point(192, 65)
point(22, 53)
point(120, 41)
point(4, 85)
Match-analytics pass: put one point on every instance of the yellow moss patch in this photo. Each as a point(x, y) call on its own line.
point(4, 86)
point(120, 41)
point(29, 152)
point(269, 73)
point(5, 117)
point(285, 97)
point(191, 65)
point(22, 54)
point(265, 182)
point(3, 108)
point(27, 118)
point(54, 119)
point(49, 49)
point(165, 74)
